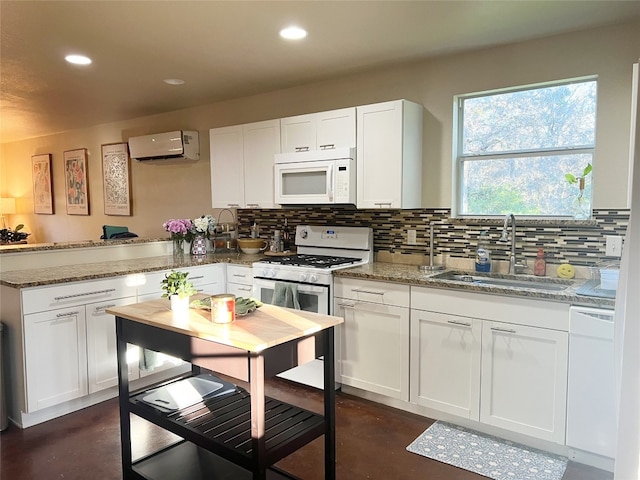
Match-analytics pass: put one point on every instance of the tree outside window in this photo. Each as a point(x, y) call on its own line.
point(515, 147)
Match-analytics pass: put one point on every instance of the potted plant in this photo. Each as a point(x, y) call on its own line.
point(582, 207)
point(178, 289)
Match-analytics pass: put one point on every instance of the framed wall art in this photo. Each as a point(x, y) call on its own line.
point(76, 181)
point(42, 185)
point(116, 169)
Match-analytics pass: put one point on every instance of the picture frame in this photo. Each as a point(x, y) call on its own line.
point(76, 177)
point(42, 184)
point(116, 172)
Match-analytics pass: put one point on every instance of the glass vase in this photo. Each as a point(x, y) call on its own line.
point(178, 249)
point(199, 245)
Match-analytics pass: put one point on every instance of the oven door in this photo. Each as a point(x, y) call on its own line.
point(312, 298)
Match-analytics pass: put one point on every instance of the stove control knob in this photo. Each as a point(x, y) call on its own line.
point(303, 233)
point(272, 273)
point(313, 278)
point(303, 277)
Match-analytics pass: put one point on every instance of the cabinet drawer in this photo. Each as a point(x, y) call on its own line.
point(239, 274)
point(372, 291)
point(521, 311)
point(39, 299)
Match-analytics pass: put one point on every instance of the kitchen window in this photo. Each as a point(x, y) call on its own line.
point(513, 148)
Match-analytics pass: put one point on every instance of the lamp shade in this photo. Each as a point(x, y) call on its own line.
point(7, 206)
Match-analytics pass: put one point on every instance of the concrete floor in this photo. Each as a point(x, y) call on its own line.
point(370, 439)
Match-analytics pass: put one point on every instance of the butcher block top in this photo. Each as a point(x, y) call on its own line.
point(263, 328)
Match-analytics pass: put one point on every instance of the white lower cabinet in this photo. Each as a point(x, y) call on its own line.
point(500, 369)
point(524, 379)
point(55, 357)
point(102, 359)
point(239, 280)
point(375, 336)
point(445, 363)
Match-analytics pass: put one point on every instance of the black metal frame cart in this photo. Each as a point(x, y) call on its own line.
point(237, 435)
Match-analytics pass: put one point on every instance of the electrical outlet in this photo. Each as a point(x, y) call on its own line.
point(411, 237)
point(613, 246)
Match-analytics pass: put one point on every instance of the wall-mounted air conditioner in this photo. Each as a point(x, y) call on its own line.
point(178, 145)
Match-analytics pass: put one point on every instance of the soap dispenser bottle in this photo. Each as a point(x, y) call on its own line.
point(483, 254)
point(540, 264)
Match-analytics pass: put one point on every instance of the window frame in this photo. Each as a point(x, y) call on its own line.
point(460, 159)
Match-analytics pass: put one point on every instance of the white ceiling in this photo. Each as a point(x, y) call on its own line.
point(229, 49)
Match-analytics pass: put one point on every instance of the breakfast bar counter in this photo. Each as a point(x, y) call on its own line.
point(240, 433)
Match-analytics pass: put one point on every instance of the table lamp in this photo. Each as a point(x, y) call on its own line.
point(7, 207)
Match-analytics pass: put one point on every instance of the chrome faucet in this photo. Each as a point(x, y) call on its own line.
point(514, 267)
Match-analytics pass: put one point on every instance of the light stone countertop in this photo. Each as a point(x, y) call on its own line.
point(411, 274)
point(91, 271)
point(40, 247)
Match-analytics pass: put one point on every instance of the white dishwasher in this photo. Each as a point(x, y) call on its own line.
point(591, 409)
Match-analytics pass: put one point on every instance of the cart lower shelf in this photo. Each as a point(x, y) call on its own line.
point(222, 425)
point(185, 460)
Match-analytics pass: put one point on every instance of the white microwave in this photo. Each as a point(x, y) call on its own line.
point(316, 177)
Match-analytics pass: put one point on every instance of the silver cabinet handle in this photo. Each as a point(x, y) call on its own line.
point(302, 149)
point(67, 314)
point(235, 205)
point(327, 146)
point(347, 305)
point(103, 308)
point(245, 289)
point(381, 204)
point(84, 294)
point(241, 275)
point(254, 205)
point(505, 330)
point(197, 278)
point(360, 290)
point(457, 322)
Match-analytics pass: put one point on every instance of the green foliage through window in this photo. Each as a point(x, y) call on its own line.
point(515, 148)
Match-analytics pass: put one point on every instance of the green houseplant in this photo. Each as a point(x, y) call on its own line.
point(582, 208)
point(178, 289)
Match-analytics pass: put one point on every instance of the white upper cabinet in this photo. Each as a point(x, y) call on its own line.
point(389, 155)
point(319, 131)
point(242, 158)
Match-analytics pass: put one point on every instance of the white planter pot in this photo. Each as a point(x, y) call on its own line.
point(179, 304)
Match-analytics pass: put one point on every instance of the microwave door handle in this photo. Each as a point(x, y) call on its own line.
point(330, 183)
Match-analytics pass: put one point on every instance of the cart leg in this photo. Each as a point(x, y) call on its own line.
point(329, 406)
point(123, 400)
point(256, 369)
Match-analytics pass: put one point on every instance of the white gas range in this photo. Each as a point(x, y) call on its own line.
point(320, 251)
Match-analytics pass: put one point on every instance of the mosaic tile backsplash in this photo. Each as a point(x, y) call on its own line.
point(577, 242)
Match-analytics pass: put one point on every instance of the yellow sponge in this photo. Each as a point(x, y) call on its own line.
point(566, 270)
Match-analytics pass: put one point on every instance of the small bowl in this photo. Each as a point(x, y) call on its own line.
point(252, 245)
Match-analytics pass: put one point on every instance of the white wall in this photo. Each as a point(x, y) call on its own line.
point(163, 191)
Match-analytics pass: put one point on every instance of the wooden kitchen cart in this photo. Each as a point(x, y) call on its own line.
point(239, 434)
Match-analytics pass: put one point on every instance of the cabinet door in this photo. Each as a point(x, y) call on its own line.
point(524, 379)
point(445, 363)
point(227, 167)
point(336, 129)
point(261, 143)
point(375, 347)
point(102, 359)
point(55, 356)
point(298, 134)
point(379, 155)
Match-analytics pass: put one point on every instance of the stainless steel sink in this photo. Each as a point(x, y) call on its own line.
point(512, 281)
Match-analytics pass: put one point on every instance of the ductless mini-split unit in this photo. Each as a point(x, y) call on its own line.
point(177, 145)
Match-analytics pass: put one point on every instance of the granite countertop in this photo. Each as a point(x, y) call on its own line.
point(38, 247)
point(91, 271)
point(411, 274)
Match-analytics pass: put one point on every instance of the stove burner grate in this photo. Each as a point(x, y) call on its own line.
point(313, 261)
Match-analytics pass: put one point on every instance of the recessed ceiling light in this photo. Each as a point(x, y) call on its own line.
point(173, 81)
point(293, 33)
point(78, 59)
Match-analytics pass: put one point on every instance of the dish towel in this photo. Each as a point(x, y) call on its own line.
point(285, 295)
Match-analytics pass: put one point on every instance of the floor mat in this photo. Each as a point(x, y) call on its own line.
point(486, 455)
